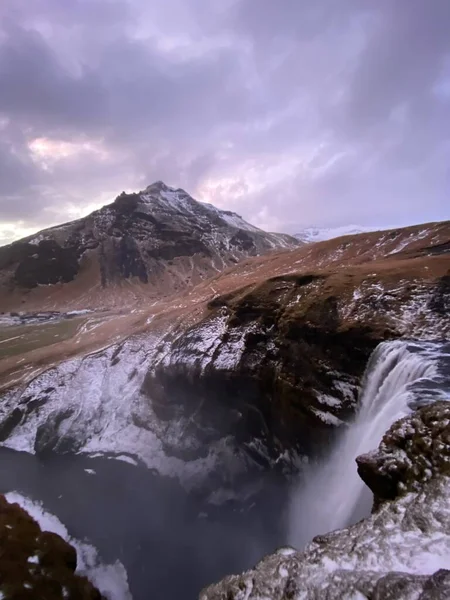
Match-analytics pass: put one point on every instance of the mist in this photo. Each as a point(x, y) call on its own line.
point(171, 542)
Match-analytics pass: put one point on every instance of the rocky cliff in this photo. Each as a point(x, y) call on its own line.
point(153, 243)
point(401, 551)
point(248, 370)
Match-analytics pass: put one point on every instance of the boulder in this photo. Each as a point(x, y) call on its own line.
point(37, 564)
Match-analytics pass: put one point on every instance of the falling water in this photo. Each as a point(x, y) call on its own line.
point(397, 375)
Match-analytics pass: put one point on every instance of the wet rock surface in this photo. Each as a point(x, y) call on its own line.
point(36, 564)
point(415, 450)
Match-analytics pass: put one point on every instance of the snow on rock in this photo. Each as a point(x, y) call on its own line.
point(411, 453)
point(327, 417)
point(37, 239)
point(219, 226)
point(400, 551)
point(198, 344)
point(210, 344)
point(409, 308)
point(110, 579)
point(97, 405)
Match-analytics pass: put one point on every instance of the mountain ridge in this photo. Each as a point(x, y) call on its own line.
point(152, 243)
point(310, 235)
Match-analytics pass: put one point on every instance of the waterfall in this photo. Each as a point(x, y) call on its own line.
point(333, 496)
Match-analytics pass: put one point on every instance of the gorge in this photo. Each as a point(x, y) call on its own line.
point(186, 426)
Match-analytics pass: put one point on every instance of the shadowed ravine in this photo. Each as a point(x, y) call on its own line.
point(171, 543)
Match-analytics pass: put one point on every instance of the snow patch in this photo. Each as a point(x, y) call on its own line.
point(126, 459)
point(321, 234)
point(327, 417)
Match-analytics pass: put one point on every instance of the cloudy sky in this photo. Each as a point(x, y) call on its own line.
point(291, 112)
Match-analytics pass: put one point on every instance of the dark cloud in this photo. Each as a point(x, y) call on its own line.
point(293, 113)
point(38, 91)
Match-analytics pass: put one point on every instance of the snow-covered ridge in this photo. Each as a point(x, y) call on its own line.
point(159, 197)
point(321, 234)
point(179, 201)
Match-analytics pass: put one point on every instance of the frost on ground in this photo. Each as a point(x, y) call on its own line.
point(96, 405)
point(401, 551)
point(111, 579)
point(410, 308)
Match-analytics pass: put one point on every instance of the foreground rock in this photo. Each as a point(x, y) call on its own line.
point(37, 564)
point(401, 551)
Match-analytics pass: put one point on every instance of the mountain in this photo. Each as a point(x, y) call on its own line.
point(149, 244)
point(321, 234)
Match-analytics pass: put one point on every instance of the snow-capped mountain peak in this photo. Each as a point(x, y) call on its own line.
point(180, 201)
point(320, 234)
point(153, 242)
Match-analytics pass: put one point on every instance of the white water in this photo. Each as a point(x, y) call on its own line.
point(334, 496)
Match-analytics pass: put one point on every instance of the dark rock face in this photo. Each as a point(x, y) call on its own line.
point(136, 237)
point(264, 369)
point(10, 422)
point(47, 263)
point(440, 302)
point(36, 564)
point(130, 261)
point(49, 439)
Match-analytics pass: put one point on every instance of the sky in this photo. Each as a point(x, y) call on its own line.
point(290, 112)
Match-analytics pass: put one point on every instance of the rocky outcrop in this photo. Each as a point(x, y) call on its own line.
point(264, 372)
point(401, 551)
point(415, 450)
point(36, 563)
point(160, 240)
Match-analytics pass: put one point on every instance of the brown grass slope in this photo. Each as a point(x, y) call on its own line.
point(154, 243)
point(370, 280)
